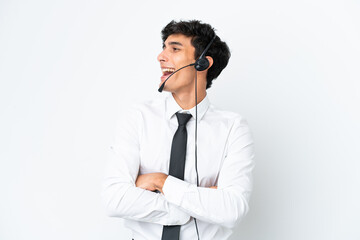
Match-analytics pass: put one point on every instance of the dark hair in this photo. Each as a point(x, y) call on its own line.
point(201, 34)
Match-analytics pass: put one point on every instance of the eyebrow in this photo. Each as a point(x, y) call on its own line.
point(173, 43)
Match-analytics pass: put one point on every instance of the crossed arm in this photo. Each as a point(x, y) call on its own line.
point(130, 196)
point(153, 182)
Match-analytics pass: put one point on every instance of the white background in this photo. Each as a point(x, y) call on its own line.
point(67, 67)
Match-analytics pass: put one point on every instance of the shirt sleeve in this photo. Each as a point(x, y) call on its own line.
point(120, 195)
point(229, 203)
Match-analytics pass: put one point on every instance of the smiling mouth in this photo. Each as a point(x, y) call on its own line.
point(167, 71)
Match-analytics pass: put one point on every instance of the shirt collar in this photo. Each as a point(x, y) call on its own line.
point(172, 107)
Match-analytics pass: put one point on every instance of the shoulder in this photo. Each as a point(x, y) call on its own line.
point(141, 111)
point(150, 104)
point(151, 108)
point(144, 106)
point(227, 117)
point(234, 123)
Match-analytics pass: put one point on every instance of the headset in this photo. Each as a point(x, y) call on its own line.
point(201, 64)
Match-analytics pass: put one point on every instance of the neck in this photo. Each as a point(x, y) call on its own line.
point(186, 99)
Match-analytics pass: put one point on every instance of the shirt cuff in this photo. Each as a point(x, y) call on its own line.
point(174, 190)
point(176, 216)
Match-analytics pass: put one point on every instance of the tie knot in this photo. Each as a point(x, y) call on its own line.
point(183, 118)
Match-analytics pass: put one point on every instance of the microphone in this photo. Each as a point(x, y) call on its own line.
point(163, 85)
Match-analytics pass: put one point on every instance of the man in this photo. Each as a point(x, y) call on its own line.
point(213, 193)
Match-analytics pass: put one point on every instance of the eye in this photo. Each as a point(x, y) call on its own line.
point(176, 49)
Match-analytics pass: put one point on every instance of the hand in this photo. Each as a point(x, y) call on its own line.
point(151, 181)
point(213, 187)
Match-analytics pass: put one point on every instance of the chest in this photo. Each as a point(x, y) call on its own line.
point(155, 150)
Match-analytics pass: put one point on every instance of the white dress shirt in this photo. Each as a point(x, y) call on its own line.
point(224, 158)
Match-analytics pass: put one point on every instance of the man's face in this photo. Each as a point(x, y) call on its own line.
point(177, 52)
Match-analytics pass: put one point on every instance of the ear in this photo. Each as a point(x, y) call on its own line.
point(211, 61)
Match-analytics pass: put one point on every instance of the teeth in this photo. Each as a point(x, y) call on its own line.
point(168, 70)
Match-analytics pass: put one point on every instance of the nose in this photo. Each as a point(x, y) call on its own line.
point(162, 57)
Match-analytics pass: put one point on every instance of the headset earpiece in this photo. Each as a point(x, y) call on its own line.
point(202, 63)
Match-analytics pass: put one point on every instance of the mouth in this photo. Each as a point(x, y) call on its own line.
point(166, 72)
